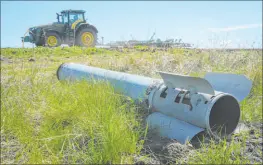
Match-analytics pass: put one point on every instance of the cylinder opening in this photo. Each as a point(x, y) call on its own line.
point(224, 115)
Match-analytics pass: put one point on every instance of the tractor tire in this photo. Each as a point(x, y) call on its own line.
point(52, 39)
point(86, 37)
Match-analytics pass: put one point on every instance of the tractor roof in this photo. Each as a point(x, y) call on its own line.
point(73, 11)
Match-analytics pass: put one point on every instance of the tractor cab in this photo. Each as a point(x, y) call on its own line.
point(71, 17)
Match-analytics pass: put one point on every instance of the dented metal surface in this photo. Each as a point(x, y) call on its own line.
point(185, 105)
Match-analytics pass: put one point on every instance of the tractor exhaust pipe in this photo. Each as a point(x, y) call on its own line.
point(182, 106)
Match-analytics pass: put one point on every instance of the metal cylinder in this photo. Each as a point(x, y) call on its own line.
point(186, 111)
point(218, 113)
point(134, 86)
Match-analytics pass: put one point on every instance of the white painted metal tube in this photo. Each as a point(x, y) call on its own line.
point(218, 114)
point(134, 86)
point(188, 110)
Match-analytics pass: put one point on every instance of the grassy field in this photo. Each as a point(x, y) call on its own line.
point(45, 121)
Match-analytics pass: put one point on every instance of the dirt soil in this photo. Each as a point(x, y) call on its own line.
point(166, 151)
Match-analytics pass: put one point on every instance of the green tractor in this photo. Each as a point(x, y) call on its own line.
point(71, 28)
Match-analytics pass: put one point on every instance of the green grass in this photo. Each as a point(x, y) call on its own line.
point(46, 121)
point(68, 123)
point(220, 153)
point(225, 151)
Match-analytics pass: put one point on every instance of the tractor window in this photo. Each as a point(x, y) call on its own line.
point(75, 16)
point(65, 18)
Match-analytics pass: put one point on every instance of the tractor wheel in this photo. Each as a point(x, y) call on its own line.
point(52, 39)
point(86, 37)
